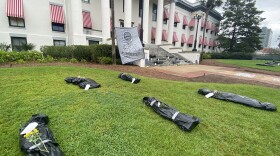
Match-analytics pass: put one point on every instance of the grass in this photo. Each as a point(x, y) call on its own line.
point(251, 64)
point(113, 120)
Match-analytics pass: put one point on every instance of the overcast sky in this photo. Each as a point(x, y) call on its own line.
point(271, 10)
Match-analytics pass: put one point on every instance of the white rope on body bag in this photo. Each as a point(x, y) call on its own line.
point(175, 115)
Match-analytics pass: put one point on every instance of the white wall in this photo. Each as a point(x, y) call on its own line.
point(39, 32)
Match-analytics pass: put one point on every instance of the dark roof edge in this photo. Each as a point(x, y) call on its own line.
point(213, 13)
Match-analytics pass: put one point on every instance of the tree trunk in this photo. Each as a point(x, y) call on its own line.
point(232, 38)
point(113, 33)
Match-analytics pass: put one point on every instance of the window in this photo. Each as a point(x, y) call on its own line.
point(206, 30)
point(184, 26)
point(201, 29)
point(154, 14)
point(140, 8)
point(190, 45)
point(92, 42)
point(86, 1)
point(199, 45)
point(16, 22)
point(182, 44)
point(17, 42)
point(165, 21)
point(174, 43)
point(57, 27)
point(59, 43)
point(213, 48)
point(153, 41)
point(121, 23)
point(175, 24)
point(211, 32)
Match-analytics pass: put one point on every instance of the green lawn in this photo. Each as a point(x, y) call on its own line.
point(251, 64)
point(113, 120)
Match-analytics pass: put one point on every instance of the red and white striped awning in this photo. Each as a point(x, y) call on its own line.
point(208, 25)
point(210, 43)
point(165, 14)
point(175, 38)
point(14, 8)
point(57, 14)
point(87, 20)
point(206, 42)
point(185, 20)
point(164, 35)
point(190, 40)
point(192, 23)
point(184, 39)
point(217, 29)
point(200, 40)
point(153, 33)
point(176, 18)
point(202, 23)
point(213, 27)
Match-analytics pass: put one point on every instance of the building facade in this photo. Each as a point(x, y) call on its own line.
point(266, 37)
point(85, 22)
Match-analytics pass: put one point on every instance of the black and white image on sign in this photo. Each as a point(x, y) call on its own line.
point(129, 44)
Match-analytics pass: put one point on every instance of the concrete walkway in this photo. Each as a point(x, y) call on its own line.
point(192, 71)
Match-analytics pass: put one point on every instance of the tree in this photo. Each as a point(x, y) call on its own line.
point(240, 27)
point(209, 5)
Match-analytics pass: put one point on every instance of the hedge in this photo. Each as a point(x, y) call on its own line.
point(19, 56)
point(226, 55)
point(89, 53)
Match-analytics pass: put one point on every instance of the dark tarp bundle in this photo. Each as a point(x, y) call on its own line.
point(82, 82)
point(46, 135)
point(239, 99)
point(128, 77)
point(185, 122)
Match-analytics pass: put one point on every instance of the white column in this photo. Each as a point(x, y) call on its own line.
point(106, 26)
point(127, 13)
point(159, 22)
point(146, 20)
point(171, 21)
point(75, 23)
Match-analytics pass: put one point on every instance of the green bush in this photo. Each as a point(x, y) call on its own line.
point(105, 60)
point(232, 55)
point(16, 56)
point(206, 55)
point(79, 52)
point(73, 60)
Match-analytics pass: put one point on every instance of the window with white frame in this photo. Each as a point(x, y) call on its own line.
point(59, 43)
point(86, 1)
point(18, 42)
point(16, 22)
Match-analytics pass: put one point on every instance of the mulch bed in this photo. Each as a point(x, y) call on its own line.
point(151, 72)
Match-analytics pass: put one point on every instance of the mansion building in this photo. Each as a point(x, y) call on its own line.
point(86, 22)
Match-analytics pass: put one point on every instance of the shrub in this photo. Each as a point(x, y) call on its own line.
point(83, 61)
point(206, 55)
point(105, 60)
point(15, 56)
point(5, 47)
point(73, 60)
point(79, 52)
point(20, 61)
point(232, 55)
point(58, 51)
